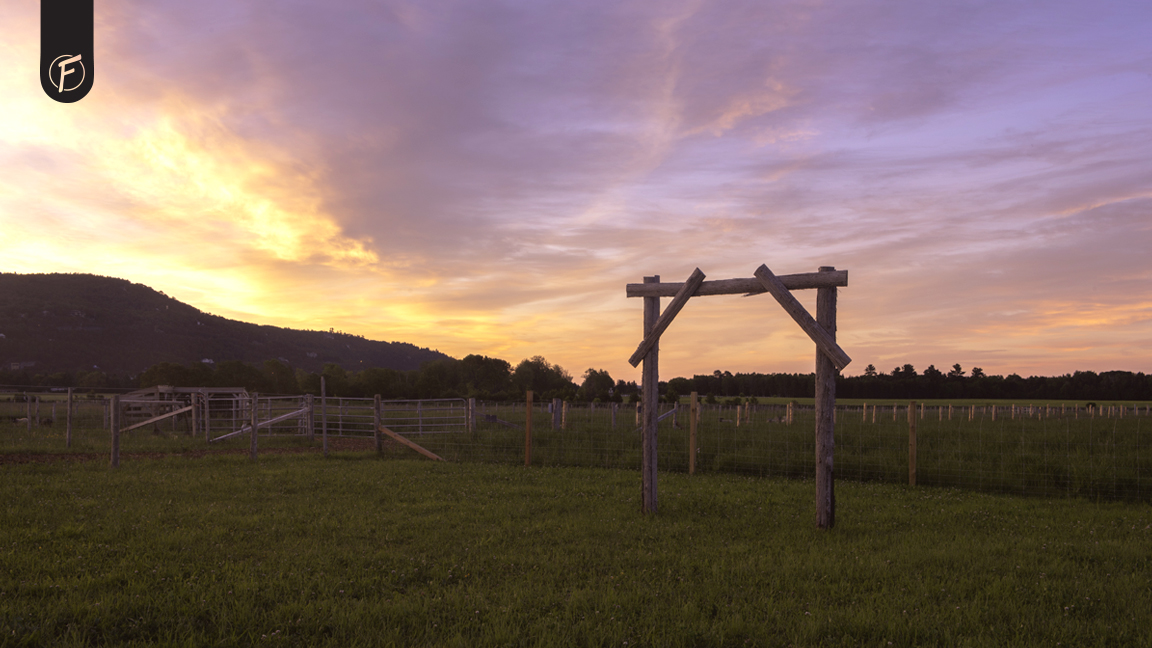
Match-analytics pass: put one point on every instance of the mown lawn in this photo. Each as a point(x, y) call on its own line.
point(356, 550)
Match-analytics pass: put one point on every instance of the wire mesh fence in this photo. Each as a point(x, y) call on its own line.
point(1048, 450)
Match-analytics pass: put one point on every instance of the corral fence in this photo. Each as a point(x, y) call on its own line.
point(1054, 450)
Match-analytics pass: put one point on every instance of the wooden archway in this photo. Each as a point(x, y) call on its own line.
point(830, 359)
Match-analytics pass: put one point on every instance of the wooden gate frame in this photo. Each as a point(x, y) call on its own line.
point(830, 359)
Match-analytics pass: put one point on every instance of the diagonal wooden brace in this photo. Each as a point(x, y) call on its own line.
point(417, 448)
point(823, 341)
point(677, 303)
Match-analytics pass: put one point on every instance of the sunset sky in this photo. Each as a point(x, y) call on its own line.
point(485, 177)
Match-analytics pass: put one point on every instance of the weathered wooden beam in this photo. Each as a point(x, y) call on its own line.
point(650, 397)
point(749, 286)
point(426, 453)
point(157, 418)
point(825, 413)
point(823, 340)
point(687, 289)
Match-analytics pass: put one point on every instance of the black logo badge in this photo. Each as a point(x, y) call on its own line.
point(67, 65)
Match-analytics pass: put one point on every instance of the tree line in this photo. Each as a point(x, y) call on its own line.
point(484, 378)
point(906, 382)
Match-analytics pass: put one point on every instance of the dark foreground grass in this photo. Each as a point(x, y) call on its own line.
point(354, 550)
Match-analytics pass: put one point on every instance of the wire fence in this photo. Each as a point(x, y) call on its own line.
point(1048, 450)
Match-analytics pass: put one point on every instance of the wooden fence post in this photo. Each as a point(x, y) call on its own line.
point(324, 415)
point(693, 409)
point(614, 406)
point(194, 401)
point(528, 430)
point(115, 416)
point(254, 416)
point(471, 415)
point(650, 399)
point(825, 410)
point(310, 417)
point(912, 443)
point(68, 434)
point(376, 422)
point(563, 415)
point(28, 411)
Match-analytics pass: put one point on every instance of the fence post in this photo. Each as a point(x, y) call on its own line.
point(471, 415)
point(693, 406)
point(195, 403)
point(310, 417)
point(912, 443)
point(614, 405)
point(68, 434)
point(324, 415)
point(115, 416)
point(825, 411)
point(376, 423)
point(28, 409)
point(528, 430)
point(254, 417)
point(564, 415)
point(555, 409)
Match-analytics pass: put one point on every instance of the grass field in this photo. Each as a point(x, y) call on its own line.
point(356, 550)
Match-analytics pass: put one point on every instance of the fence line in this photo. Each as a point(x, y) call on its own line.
point(1048, 450)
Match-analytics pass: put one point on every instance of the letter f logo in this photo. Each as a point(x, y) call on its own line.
point(66, 61)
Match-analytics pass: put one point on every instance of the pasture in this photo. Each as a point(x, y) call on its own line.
point(1044, 449)
point(356, 550)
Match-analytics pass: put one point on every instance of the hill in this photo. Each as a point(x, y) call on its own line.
point(68, 322)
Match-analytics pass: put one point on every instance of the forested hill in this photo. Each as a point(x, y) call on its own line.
point(73, 322)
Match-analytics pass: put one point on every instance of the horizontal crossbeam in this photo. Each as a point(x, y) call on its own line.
point(749, 286)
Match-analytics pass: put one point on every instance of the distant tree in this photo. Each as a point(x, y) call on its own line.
point(596, 384)
point(957, 371)
point(481, 374)
point(279, 378)
point(977, 372)
point(544, 379)
point(870, 371)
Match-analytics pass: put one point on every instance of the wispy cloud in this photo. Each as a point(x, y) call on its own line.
point(485, 177)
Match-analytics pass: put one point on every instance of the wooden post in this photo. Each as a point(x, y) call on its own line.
point(650, 399)
point(28, 411)
point(254, 416)
point(693, 409)
point(376, 422)
point(528, 430)
point(912, 443)
point(115, 415)
point(614, 406)
point(825, 407)
point(471, 415)
point(68, 434)
point(638, 404)
point(555, 413)
point(310, 417)
point(324, 415)
point(194, 400)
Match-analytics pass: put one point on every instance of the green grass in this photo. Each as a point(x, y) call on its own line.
point(354, 550)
